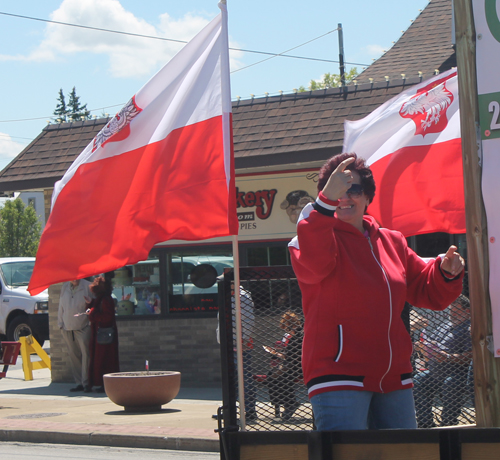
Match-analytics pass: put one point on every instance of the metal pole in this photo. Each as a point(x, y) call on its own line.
point(341, 56)
point(239, 334)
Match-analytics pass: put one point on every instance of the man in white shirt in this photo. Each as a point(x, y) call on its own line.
point(75, 328)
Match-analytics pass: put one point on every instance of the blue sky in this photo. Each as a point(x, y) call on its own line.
point(38, 58)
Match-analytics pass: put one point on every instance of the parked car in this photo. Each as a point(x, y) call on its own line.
point(20, 313)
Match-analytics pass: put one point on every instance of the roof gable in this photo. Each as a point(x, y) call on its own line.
point(426, 46)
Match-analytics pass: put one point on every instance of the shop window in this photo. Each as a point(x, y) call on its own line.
point(136, 288)
point(268, 256)
point(183, 295)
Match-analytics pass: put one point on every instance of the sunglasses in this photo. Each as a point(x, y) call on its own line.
point(355, 191)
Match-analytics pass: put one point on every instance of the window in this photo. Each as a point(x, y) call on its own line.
point(268, 256)
point(136, 288)
point(162, 285)
point(183, 295)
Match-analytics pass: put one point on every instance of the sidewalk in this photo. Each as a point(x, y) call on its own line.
point(42, 411)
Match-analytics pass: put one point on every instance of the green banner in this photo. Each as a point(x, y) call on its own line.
point(489, 115)
point(491, 14)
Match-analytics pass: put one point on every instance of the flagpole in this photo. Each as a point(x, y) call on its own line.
point(239, 335)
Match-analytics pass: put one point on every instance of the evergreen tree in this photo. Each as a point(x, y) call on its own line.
point(19, 230)
point(76, 111)
point(61, 110)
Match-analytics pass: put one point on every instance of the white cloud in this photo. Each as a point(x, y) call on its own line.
point(9, 149)
point(374, 51)
point(128, 56)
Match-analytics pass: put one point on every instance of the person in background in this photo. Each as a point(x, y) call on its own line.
point(75, 329)
point(355, 278)
point(448, 364)
point(287, 370)
point(101, 313)
point(247, 326)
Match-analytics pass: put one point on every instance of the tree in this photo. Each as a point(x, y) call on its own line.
point(61, 110)
point(73, 111)
point(330, 80)
point(19, 230)
point(76, 111)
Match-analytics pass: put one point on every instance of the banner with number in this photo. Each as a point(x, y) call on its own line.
point(487, 23)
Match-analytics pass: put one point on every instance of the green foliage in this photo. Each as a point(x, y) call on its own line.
point(73, 111)
point(330, 80)
point(61, 110)
point(77, 112)
point(19, 230)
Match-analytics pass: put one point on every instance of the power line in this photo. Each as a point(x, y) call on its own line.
point(177, 41)
point(276, 55)
point(51, 116)
point(15, 137)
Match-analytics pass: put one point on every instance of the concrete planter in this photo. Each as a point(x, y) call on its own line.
point(142, 391)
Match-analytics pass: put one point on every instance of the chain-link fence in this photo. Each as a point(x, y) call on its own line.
point(442, 362)
point(275, 394)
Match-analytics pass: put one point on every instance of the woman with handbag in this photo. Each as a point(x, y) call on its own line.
point(104, 334)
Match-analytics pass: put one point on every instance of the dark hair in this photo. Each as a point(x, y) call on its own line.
point(101, 286)
point(463, 301)
point(359, 166)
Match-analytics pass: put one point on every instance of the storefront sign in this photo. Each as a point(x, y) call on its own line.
point(487, 23)
point(268, 205)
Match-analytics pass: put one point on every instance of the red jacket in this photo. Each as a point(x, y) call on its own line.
point(354, 289)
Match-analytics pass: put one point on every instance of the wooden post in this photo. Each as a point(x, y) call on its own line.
point(486, 368)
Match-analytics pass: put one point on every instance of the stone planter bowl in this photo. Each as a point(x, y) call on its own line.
point(142, 391)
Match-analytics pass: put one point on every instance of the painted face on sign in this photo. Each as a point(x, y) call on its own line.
point(294, 203)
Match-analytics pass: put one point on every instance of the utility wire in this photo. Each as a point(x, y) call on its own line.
point(281, 54)
point(50, 116)
point(179, 41)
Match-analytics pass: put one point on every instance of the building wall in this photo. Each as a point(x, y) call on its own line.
point(187, 345)
point(38, 200)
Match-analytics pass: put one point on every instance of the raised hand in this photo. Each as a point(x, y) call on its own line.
point(452, 263)
point(340, 181)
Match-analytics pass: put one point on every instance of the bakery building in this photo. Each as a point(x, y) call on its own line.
point(279, 143)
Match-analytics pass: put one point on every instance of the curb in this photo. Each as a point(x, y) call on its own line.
point(111, 440)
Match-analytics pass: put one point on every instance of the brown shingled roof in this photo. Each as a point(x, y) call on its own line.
point(424, 47)
point(302, 127)
point(47, 158)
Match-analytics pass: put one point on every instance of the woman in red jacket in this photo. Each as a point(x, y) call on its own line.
point(355, 278)
point(103, 357)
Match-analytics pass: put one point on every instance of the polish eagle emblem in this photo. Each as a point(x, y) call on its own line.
point(118, 127)
point(427, 108)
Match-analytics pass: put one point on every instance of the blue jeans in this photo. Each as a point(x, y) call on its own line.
point(361, 410)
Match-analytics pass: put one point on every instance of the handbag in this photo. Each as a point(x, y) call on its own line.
point(105, 335)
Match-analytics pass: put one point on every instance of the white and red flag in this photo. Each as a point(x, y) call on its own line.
point(161, 169)
point(412, 144)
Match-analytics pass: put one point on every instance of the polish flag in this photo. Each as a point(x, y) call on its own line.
point(161, 169)
point(412, 144)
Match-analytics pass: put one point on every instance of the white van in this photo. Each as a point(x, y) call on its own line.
point(20, 313)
